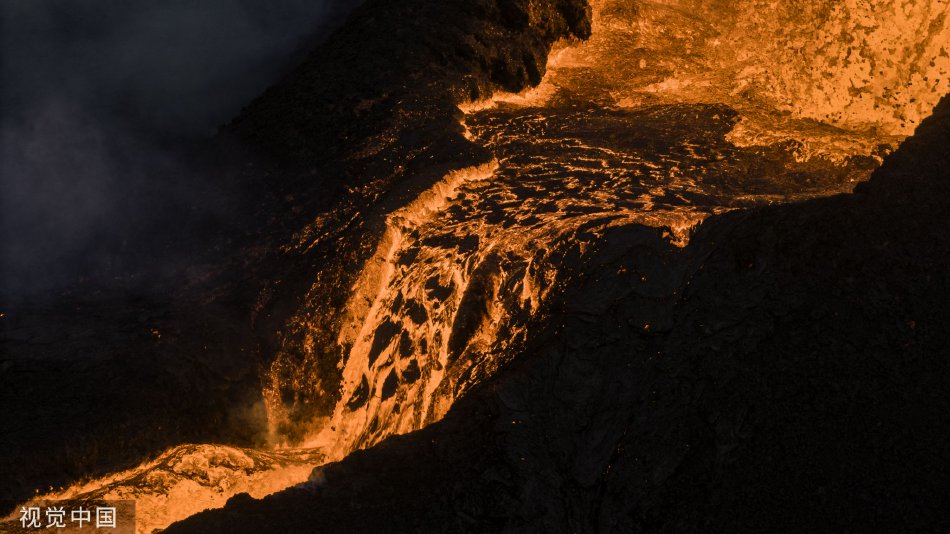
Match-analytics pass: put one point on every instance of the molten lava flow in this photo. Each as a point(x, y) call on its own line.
point(864, 66)
point(673, 111)
point(188, 479)
point(378, 310)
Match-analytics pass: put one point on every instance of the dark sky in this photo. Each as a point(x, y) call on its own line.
point(182, 66)
point(87, 87)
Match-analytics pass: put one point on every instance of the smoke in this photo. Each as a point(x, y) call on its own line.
point(92, 94)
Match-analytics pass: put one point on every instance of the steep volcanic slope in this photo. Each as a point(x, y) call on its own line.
point(461, 277)
point(426, 292)
point(411, 251)
point(374, 154)
point(785, 372)
point(460, 280)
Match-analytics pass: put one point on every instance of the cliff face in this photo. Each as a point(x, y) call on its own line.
point(784, 372)
point(396, 67)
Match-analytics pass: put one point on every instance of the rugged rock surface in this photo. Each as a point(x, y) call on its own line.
point(786, 372)
point(357, 149)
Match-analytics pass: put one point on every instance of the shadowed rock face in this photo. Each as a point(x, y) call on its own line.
point(398, 66)
point(784, 372)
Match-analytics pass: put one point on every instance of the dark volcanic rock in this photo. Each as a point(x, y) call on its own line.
point(392, 76)
point(786, 372)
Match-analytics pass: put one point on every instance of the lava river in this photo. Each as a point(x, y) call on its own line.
point(671, 112)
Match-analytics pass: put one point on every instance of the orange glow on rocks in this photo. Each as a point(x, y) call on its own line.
point(813, 89)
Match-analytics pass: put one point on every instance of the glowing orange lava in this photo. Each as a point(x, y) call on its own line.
point(458, 269)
